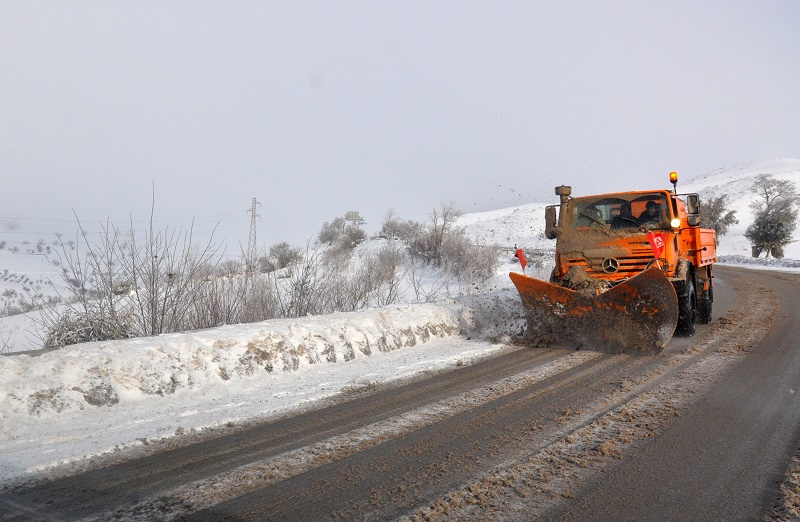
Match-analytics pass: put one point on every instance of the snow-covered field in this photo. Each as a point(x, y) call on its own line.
point(100, 398)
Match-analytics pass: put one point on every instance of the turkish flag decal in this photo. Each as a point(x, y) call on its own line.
point(657, 243)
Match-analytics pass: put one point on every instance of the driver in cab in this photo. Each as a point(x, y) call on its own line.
point(650, 213)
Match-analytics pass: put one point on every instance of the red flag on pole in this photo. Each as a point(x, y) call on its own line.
point(657, 243)
point(521, 256)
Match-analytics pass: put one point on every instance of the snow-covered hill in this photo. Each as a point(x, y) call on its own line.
point(522, 226)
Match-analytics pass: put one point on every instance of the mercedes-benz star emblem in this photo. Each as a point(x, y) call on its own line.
point(610, 265)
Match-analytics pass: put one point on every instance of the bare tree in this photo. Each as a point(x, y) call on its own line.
point(442, 221)
point(774, 194)
point(390, 273)
point(164, 271)
point(391, 224)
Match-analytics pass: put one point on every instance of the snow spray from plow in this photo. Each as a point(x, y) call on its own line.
point(637, 316)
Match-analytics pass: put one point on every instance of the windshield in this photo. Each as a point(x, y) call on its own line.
point(612, 213)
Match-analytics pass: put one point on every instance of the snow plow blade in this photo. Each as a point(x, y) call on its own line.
point(638, 316)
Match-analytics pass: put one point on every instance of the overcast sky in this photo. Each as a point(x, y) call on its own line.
point(318, 108)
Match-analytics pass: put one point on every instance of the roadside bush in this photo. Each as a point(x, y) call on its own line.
point(330, 232)
point(73, 328)
point(131, 283)
point(151, 279)
point(407, 231)
point(283, 254)
point(428, 244)
point(470, 263)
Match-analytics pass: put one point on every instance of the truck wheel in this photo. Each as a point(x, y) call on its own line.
point(704, 306)
point(687, 313)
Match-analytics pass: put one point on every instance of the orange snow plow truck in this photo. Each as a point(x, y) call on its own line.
point(631, 270)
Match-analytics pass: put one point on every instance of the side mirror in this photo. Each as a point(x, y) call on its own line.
point(693, 210)
point(550, 222)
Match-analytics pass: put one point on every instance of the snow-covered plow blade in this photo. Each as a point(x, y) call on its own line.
point(636, 316)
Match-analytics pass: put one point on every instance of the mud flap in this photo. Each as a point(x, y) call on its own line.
point(637, 316)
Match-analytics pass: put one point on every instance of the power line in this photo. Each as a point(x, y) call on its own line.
point(73, 220)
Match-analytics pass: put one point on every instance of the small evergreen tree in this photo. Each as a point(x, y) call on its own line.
point(714, 214)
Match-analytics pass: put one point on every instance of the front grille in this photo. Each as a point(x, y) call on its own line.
point(629, 266)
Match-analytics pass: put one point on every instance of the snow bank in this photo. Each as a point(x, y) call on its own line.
point(760, 262)
point(108, 374)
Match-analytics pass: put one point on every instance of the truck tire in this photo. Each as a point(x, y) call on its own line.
point(704, 303)
point(687, 313)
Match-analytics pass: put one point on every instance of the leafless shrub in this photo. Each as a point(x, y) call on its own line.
point(470, 263)
point(331, 231)
point(390, 273)
point(352, 236)
point(121, 284)
point(73, 328)
point(229, 268)
point(217, 302)
point(428, 244)
point(371, 279)
point(301, 288)
point(161, 281)
point(283, 254)
point(349, 287)
point(94, 306)
point(442, 224)
point(261, 301)
point(340, 235)
point(405, 230)
point(425, 291)
point(165, 272)
point(390, 224)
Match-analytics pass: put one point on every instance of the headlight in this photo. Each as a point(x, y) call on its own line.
point(676, 223)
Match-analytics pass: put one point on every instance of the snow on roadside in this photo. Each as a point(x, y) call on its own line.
point(760, 263)
point(110, 372)
point(96, 398)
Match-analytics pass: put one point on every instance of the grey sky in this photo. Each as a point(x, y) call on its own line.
point(317, 108)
